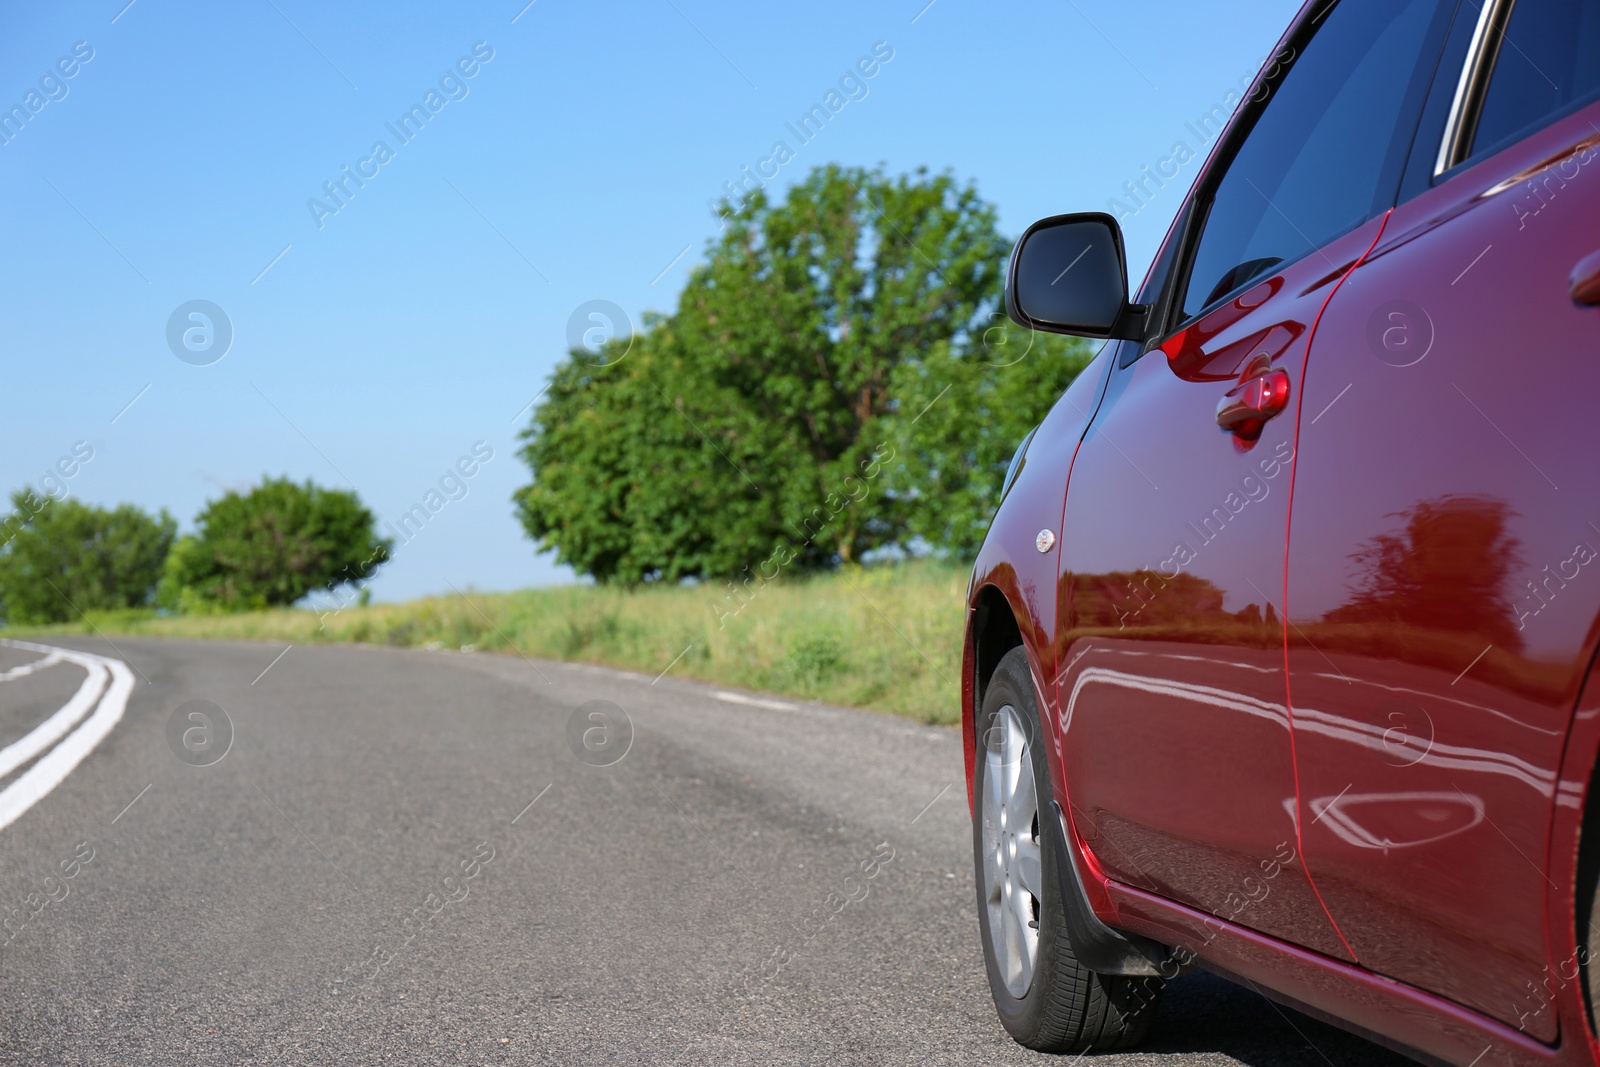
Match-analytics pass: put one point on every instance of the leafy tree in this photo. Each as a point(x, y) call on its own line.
point(72, 557)
point(773, 416)
point(976, 403)
point(272, 546)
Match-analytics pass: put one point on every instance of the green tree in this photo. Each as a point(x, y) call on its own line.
point(72, 557)
point(978, 401)
point(272, 546)
point(765, 418)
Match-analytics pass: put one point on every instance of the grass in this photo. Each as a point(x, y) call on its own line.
point(886, 637)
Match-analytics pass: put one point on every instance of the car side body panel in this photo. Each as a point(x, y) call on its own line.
point(1390, 1012)
point(1010, 565)
point(1444, 571)
point(1176, 729)
point(1423, 992)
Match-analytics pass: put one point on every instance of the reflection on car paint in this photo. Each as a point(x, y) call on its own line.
point(1393, 820)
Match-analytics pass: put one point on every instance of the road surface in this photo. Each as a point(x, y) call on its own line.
point(419, 857)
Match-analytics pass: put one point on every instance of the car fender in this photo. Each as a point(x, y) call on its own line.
point(1010, 563)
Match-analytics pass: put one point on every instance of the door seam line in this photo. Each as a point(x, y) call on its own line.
point(1288, 694)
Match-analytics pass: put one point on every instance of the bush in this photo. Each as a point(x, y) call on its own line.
point(813, 660)
point(71, 557)
point(270, 547)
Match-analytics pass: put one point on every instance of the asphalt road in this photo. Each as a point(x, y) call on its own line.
point(402, 858)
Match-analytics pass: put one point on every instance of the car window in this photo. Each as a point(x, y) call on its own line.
point(1155, 283)
point(1325, 152)
point(1547, 59)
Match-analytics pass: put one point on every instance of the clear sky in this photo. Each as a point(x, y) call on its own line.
point(376, 344)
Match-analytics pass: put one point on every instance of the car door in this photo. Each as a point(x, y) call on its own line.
point(1176, 747)
point(1444, 558)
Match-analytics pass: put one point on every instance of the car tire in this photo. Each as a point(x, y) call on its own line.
point(1045, 998)
point(1588, 908)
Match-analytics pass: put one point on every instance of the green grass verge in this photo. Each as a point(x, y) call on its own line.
point(886, 637)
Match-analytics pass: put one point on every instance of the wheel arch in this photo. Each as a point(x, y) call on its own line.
point(994, 628)
point(994, 633)
point(1572, 980)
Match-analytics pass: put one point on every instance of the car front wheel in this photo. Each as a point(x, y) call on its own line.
point(1046, 999)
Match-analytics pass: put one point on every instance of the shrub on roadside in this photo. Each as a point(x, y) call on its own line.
point(73, 557)
point(270, 547)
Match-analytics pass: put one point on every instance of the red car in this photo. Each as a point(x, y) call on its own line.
point(1279, 650)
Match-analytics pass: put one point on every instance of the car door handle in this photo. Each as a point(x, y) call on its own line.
point(1257, 398)
point(1586, 281)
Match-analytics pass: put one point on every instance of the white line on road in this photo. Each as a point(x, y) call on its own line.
point(29, 667)
point(56, 726)
point(754, 702)
point(51, 770)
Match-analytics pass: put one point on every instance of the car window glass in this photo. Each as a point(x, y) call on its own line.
point(1318, 158)
point(1155, 284)
point(1548, 58)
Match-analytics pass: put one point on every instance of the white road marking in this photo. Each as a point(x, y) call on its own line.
point(56, 726)
point(28, 668)
point(52, 769)
point(754, 702)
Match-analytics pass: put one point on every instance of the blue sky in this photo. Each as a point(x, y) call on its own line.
point(376, 345)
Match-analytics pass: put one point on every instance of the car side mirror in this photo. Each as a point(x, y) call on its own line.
point(1069, 275)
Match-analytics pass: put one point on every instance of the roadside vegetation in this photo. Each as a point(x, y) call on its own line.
point(836, 384)
point(886, 637)
point(838, 380)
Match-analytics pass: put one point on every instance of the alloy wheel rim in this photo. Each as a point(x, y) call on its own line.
point(1012, 871)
